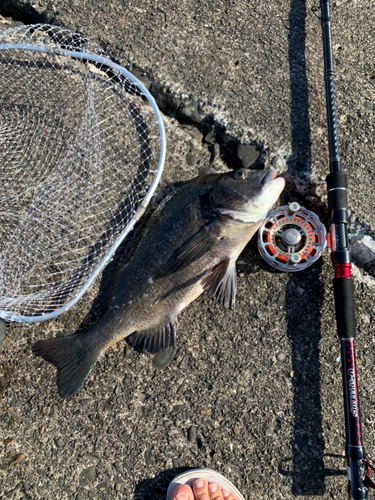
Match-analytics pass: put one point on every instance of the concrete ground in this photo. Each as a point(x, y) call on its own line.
point(253, 393)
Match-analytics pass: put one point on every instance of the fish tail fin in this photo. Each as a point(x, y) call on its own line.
point(72, 359)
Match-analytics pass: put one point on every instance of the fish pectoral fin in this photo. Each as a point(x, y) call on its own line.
point(222, 282)
point(154, 339)
point(72, 359)
point(192, 250)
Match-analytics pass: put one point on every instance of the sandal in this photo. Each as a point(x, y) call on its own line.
point(210, 476)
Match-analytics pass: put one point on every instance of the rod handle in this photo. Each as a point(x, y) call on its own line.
point(345, 308)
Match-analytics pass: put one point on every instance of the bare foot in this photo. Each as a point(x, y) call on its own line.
point(201, 491)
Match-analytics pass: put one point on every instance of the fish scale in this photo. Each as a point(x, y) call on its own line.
point(190, 245)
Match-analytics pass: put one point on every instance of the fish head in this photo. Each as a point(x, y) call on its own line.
point(246, 195)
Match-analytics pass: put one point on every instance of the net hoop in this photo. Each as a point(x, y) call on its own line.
point(105, 61)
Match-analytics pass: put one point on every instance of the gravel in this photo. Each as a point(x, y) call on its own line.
point(188, 112)
point(281, 356)
point(363, 249)
point(191, 159)
point(2, 333)
point(192, 434)
point(247, 154)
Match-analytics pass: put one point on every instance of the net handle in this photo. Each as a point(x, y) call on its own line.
point(141, 208)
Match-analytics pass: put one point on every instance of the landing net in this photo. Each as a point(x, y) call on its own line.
point(82, 147)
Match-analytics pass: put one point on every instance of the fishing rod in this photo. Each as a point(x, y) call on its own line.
point(358, 467)
point(292, 238)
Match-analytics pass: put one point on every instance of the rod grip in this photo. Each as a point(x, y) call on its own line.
point(336, 180)
point(345, 307)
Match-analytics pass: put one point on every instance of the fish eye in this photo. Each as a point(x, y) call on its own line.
point(240, 174)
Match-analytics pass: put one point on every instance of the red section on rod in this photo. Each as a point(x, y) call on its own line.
point(342, 270)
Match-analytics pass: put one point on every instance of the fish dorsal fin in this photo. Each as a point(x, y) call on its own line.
point(193, 249)
point(162, 195)
point(154, 339)
point(222, 282)
point(128, 248)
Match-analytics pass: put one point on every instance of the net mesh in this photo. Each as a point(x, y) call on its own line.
point(79, 149)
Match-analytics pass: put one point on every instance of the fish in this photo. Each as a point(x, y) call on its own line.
point(189, 247)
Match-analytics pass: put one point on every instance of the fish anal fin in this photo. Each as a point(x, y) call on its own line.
point(222, 282)
point(154, 339)
point(73, 361)
point(162, 359)
point(193, 249)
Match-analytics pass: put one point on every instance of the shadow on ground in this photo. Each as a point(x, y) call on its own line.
point(304, 293)
point(304, 299)
point(155, 488)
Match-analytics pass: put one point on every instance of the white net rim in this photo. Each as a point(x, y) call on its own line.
point(11, 317)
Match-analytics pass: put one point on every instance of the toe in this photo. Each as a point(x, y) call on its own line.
point(200, 488)
point(228, 496)
point(182, 492)
point(215, 492)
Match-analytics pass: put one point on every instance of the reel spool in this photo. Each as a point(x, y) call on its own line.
point(291, 238)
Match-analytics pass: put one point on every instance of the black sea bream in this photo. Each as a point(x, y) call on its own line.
point(191, 246)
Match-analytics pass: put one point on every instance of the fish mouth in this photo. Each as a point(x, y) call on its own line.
point(258, 209)
point(269, 176)
point(272, 189)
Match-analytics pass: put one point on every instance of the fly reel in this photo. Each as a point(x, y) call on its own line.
point(291, 238)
